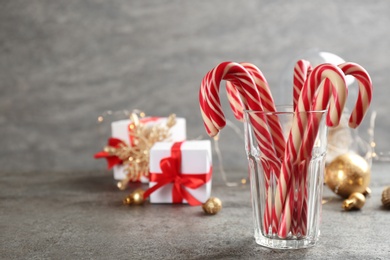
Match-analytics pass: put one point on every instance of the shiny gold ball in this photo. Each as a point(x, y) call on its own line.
point(212, 206)
point(136, 197)
point(348, 173)
point(386, 197)
point(127, 200)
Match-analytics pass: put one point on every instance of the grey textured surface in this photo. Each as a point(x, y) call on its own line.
point(65, 62)
point(80, 216)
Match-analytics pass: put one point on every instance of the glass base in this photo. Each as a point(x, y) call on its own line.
point(277, 243)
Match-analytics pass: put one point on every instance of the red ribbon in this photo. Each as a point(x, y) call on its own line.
point(171, 173)
point(112, 160)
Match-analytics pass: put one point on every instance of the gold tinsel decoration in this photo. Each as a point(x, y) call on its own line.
point(136, 157)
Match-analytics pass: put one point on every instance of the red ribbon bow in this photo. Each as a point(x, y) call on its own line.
point(112, 160)
point(171, 173)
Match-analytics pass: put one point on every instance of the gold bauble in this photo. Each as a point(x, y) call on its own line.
point(348, 173)
point(136, 197)
point(386, 197)
point(212, 206)
point(355, 201)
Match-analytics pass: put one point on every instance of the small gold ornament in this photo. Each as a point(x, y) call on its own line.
point(348, 173)
point(212, 206)
point(136, 197)
point(355, 201)
point(386, 197)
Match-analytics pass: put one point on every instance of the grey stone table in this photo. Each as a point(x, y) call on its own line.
point(79, 215)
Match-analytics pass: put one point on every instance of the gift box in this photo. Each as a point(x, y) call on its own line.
point(122, 130)
point(180, 172)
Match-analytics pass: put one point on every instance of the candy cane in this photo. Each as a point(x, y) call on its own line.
point(276, 132)
point(365, 91)
point(360, 109)
point(273, 122)
point(237, 108)
point(358, 113)
point(336, 105)
point(320, 103)
point(211, 108)
point(209, 101)
point(289, 218)
point(361, 106)
point(268, 104)
point(302, 70)
point(266, 101)
point(247, 89)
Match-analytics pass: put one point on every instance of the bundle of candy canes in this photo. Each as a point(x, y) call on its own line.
point(314, 89)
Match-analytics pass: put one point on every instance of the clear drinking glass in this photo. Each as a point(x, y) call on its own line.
point(300, 176)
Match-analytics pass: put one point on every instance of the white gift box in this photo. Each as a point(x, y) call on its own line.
point(196, 159)
point(120, 130)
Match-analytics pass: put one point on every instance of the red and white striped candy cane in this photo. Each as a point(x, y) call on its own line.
point(302, 70)
point(273, 122)
point(209, 100)
point(268, 104)
point(276, 132)
point(298, 178)
point(211, 108)
point(360, 109)
point(250, 98)
point(300, 121)
point(365, 91)
point(361, 106)
point(305, 103)
point(266, 101)
point(321, 102)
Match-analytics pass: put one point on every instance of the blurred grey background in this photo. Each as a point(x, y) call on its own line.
point(63, 63)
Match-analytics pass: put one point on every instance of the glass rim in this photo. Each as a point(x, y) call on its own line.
point(278, 112)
